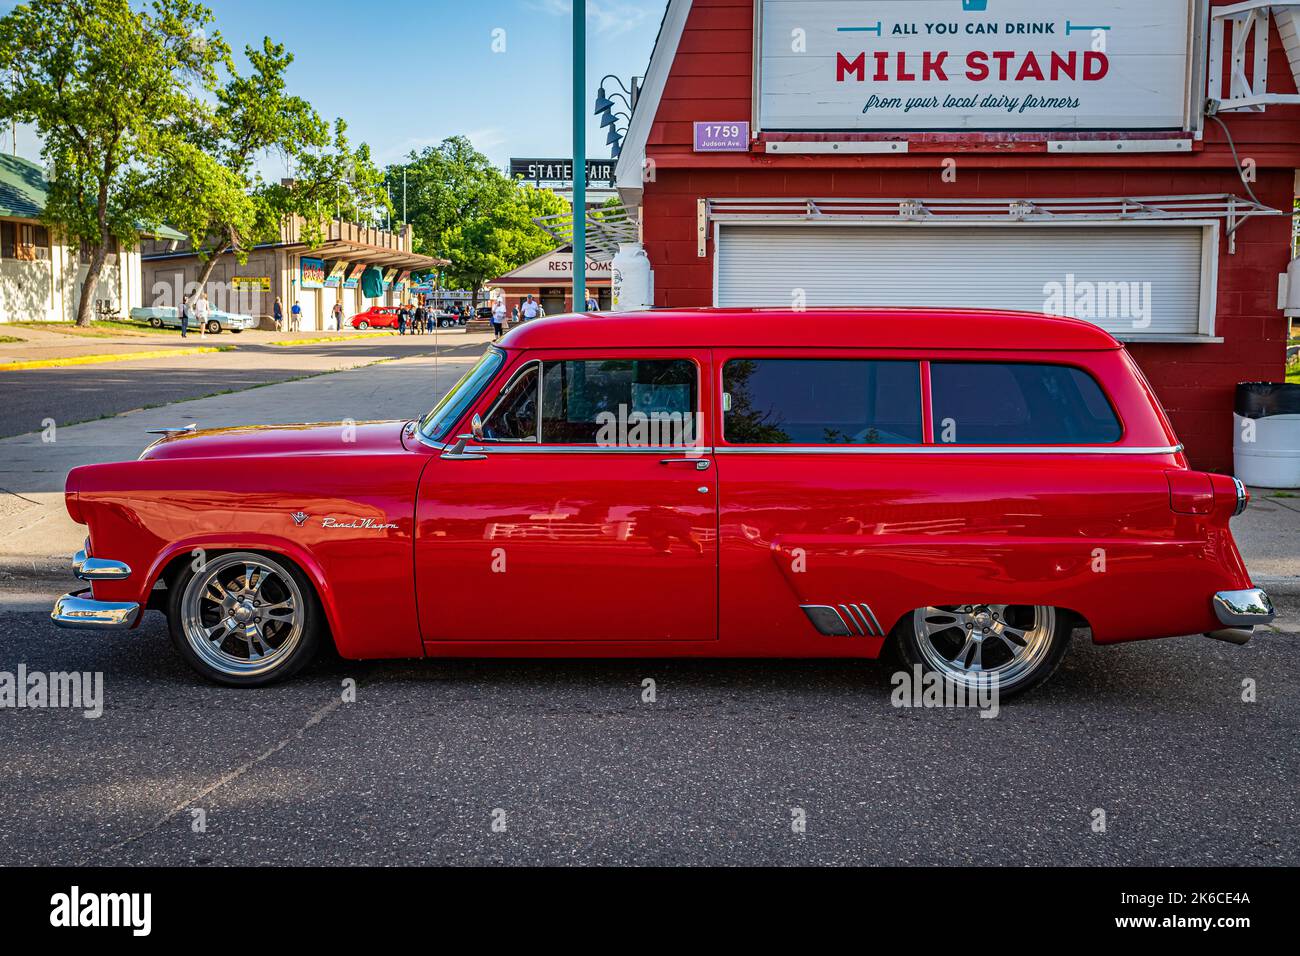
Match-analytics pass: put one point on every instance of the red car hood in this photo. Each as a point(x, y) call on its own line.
point(324, 438)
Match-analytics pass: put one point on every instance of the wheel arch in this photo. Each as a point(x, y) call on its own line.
point(174, 557)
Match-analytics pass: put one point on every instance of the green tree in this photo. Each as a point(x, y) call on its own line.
point(111, 92)
point(220, 199)
point(464, 209)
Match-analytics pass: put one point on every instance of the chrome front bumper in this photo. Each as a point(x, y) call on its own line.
point(1240, 611)
point(80, 611)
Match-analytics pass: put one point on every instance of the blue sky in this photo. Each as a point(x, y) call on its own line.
point(408, 73)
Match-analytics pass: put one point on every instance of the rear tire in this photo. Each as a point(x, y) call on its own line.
point(213, 327)
point(244, 619)
point(156, 323)
point(1022, 645)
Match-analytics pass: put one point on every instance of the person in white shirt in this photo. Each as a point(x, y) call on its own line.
point(529, 309)
point(498, 316)
point(201, 312)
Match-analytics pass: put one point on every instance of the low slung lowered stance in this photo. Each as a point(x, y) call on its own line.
point(972, 486)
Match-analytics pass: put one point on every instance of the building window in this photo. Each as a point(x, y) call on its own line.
point(987, 403)
point(88, 252)
point(25, 241)
point(822, 402)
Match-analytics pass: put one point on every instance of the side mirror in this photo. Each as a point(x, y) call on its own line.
point(476, 428)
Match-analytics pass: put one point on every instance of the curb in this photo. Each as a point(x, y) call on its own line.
point(99, 359)
point(290, 343)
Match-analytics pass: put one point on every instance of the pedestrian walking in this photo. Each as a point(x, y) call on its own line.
point(201, 312)
point(295, 316)
point(498, 317)
point(338, 316)
point(277, 312)
point(186, 313)
point(514, 315)
point(401, 321)
point(593, 305)
point(530, 309)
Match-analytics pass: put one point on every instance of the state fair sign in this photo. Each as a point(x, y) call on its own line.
point(999, 65)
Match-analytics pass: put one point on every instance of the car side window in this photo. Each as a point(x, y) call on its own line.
point(513, 417)
point(780, 401)
point(613, 402)
point(990, 403)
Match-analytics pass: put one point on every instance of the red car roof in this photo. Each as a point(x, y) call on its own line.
point(841, 327)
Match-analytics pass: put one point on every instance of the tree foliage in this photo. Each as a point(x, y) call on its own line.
point(220, 199)
point(111, 92)
point(462, 208)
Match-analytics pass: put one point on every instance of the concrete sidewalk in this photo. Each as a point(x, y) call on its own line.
point(39, 536)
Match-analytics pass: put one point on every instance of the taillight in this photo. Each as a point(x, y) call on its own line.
point(1190, 492)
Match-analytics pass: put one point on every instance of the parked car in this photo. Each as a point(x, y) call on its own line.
point(375, 317)
point(970, 486)
point(447, 320)
point(169, 317)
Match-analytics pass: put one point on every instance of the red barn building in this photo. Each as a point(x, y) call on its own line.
point(1129, 163)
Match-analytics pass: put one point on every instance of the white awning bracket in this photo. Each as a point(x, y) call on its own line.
point(1248, 75)
point(607, 226)
point(1234, 210)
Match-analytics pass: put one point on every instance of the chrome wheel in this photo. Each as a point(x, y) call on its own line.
point(243, 614)
point(973, 643)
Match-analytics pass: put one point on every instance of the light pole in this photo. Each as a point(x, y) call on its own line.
point(579, 156)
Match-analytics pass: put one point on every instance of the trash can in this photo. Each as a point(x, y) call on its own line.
point(1266, 435)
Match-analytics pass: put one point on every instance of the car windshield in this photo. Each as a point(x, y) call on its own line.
point(435, 425)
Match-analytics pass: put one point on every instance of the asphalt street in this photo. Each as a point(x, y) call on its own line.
point(580, 770)
point(80, 393)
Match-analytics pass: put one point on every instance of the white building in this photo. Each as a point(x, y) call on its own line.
point(40, 273)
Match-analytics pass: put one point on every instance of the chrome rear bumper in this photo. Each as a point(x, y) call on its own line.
point(80, 612)
point(1240, 611)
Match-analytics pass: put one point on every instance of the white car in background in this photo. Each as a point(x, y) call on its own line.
point(168, 317)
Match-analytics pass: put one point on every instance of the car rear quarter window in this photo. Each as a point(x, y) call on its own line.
point(990, 403)
point(780, 401)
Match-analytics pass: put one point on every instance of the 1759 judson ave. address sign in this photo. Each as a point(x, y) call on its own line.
point(881, 65)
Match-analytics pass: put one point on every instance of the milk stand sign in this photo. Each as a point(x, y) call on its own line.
point(935, 65)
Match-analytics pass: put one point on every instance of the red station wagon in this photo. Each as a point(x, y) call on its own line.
point(971, 485)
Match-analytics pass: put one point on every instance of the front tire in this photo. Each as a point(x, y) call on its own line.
point(363, 326)
point(244, 619)
point(972, 644)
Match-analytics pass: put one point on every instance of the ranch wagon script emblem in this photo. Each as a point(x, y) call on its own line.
point(356, 524)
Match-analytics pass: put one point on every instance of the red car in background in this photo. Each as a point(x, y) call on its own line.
point(375, 317)
point(968, 486)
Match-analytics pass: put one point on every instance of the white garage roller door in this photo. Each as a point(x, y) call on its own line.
point(1134, 281)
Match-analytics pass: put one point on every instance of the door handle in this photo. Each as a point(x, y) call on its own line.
point(700, 464)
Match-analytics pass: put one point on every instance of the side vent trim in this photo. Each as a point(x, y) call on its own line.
point(844, 620)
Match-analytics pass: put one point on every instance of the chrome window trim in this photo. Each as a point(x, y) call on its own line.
point(429, 442)
point(519, 373)
point(687, 451)
point(947, 450)
point(822, 450)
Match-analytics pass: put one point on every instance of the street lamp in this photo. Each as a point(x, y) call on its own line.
point(604, 108)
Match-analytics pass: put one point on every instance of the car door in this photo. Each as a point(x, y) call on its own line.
point(587, 512)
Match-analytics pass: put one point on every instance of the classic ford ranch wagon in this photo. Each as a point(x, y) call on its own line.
point(971, 487)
